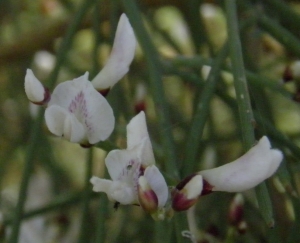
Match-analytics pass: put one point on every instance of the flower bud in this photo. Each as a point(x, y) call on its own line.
point(35, 91)
point(242, 227)
point(187, 192)
point(147, 197)
point(236, 210)
point(140, 103)
point(292, 72)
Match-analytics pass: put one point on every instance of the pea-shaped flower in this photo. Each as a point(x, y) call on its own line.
point(77, 111)
point(255, 166)
point(135, 178)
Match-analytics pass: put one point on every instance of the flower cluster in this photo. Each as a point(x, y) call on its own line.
point(77, 109)
point(135, 178)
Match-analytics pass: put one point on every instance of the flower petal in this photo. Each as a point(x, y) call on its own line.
point(34, 89)
point(119, 162)
point(145, 153)
point(81, 99)
point(122, 193)
point(258, 164)
point(61, 123)
point(158, 184)
point(136, 130)
point(120, 58)
point(100, 185)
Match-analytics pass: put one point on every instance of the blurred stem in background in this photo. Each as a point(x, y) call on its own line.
point(36, 128)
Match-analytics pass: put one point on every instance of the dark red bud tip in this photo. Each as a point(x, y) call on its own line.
point(104, 92)
point(207, 188)
point(180, 202)
point(47, 97)
point(236, 215)
point(86, 145)
point(287, 75)
point(141, 106)
point(242, 227)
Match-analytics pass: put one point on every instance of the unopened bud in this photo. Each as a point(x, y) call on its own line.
point(236, 210)
point(187, 192)
point(292, 72)
point(287, 74)
point(147, 197)
point(242, 227)
point(35, 91)
point(140, 96)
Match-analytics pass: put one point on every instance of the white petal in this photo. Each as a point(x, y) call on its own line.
point(137, 130)
point(258, 164)
point(115, 190)
point(157, 183)
point(145, 153)
point(65, 92)
point(119, 161)
point(100, 185)
point(91, 109)
point(194, 187)
point(35, 91)
point(120, 58)
point(61, 123)
point(122, 193)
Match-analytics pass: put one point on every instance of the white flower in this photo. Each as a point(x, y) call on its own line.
point(120, 58)
point(258, 164)
point(34, 89)
point(79, 113)
point(76, 111)
point(133, 172)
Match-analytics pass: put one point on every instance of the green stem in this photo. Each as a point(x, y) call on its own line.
point(35, 131)
point(59, 203)
point(201, 113)
point(286, 13)
point(253, 78)
point(86, 197)
point(285, 37)
point(101, 215)
point(156, 83)
point(243, 100)
point(28, 167)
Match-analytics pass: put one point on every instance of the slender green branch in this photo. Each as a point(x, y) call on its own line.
point(201, 113)
point(286, 13)
point(86, 197)
point(244, 104)
point(37, 125)
point(253, 78)
point(59, 203)
point(155, 76)
point(290, 41)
